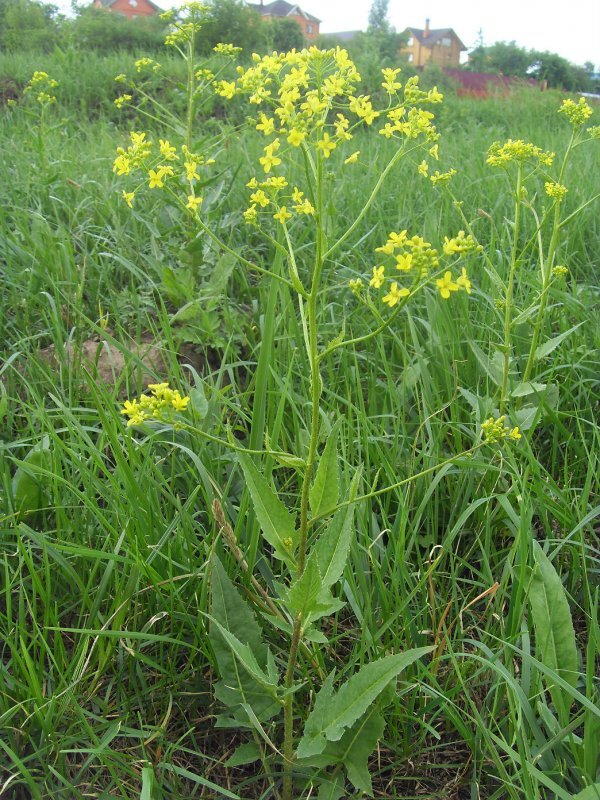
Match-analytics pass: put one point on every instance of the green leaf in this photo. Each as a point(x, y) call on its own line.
point(336, 714)
point(356, 745)
point(277, 524)
point(312, 743)
point(303, 593)
point(325, 490)
point(333, 546)
point(332, 788)
point(545, 349)
point(554, 632)
point(246, 753)
point(150, 788)
point(589, 793)
point(236, 686)
point(28, 484)
point(246, 659)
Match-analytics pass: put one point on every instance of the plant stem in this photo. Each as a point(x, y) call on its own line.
point(509, 290)
point(315, 384)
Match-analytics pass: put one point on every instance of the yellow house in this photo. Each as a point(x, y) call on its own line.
point(429, 46)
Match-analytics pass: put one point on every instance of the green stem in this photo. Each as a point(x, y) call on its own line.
point(315, 382)
point(510, 290)
point(546, 272)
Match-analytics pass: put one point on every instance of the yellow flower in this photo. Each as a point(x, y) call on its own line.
point(390, 84)
point(225, 89)
point(395, 294)
point(190, 170)
point(353, 158)
point(576, 113)
point(296, 137)
point(266, 124)
point(178, 402)
point(447, 285)
point(250, 214)
point(404, 262)
point(464, 282)
point(282, 215)
point(305, 207)
point(423, 168)
point(193, 202)
point(356, 286)
point(326, 145)
point(167, 150)
point(555, 190)
point(156, 179)
point(128, 197)
point(378, 277)
point(260, 198)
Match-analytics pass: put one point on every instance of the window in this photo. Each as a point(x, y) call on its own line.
point(410, 41)
point(446, 41)
point(309, 28)
point(410, 58)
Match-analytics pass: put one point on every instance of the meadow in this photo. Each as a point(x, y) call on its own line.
point(472, 547)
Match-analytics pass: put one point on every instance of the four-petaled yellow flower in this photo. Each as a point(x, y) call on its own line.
point(326, 145)
point(395, 295)
point(282, 215)
point(193, 202)
point(447, 285)
point(352, 159)
point(464, 282)
point(156, 179)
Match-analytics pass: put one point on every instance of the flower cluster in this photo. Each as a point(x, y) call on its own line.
point(161, 405)
point(42, 86)
point(560, 271)
point(309, 100)
point(162, 166)
point(269, 197)
point(185, 23)
point(494, 431)
point(415, 260)
point(146, 65)
point(499, 155)
point(555, 190)
point(576, 113)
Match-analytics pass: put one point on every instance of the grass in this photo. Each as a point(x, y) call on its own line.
point(105, 667)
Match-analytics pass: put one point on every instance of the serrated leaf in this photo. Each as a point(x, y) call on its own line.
point(555, 635)
point(277, 524)
point(547, 347)
point(352, 700)
point(246, 658)
point(325, 490)
point(303, 593)
point(333, 546)
point(246, 753)
point(236, 687)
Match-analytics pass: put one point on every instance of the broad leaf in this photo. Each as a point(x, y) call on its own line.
point(332, 788)
point(325, 490)
point(312, 742)
point(276, 522)
point(352, 700)
point(555, 635)
point(547, 347)
point(356, 745)
point(236, 686)
point(333, 546)
point(246, 659)
point(246, 753)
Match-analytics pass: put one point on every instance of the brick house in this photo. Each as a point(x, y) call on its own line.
point(427, 46)
point(129, 8)
point(280, 8)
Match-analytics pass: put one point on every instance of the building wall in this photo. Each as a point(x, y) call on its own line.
point(139, 8)
point(444, 55)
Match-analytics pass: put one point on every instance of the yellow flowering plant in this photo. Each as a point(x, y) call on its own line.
point(308, 111)
point(544, 196)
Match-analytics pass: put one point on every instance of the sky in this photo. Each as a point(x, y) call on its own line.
point(571, 29)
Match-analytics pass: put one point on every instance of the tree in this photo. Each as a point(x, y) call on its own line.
point(378, 21)
point(28, 25)
point(286, 35)
point(233, 22)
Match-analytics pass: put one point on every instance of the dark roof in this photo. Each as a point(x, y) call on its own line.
point(433, 36)
point(281, 8)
